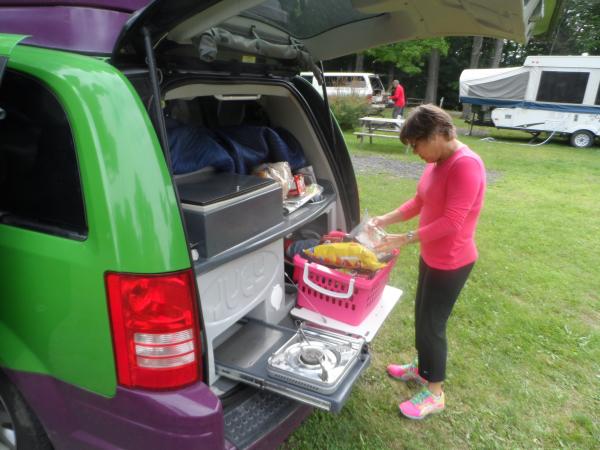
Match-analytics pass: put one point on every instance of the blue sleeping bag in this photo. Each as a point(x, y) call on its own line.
point(250, 146)
point(231, 149)
point(193, 148)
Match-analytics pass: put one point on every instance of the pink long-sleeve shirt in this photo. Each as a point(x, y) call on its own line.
point(449, 199)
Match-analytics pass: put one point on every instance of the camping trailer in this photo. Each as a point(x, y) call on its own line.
point(553, 94)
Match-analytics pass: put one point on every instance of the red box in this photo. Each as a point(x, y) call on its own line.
point(299, 188)
point(338, 295)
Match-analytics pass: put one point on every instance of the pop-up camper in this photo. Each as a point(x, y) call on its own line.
point(554, 94)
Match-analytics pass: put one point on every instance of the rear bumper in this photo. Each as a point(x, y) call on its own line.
point(188, 418)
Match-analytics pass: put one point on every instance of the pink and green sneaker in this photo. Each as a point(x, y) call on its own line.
point(406, 372)
point(422, 405)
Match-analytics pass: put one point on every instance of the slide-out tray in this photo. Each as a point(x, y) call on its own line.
point(245, 354)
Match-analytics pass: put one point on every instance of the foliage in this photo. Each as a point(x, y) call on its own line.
point(576, 32)
point(451, 66)
point(524, 337)
point(409, 56)
point(347, 109)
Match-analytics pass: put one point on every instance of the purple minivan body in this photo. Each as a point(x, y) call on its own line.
point(187, 418)
point(118, 5)
point(75, 25)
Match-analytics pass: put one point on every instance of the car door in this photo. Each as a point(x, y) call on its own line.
point(327, 29)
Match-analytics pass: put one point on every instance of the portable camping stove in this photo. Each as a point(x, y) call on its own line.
point(315, 359)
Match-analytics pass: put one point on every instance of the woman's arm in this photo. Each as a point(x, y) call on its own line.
point(461, 194)
point(406, 211)
point(411, 208)
point(464, 184)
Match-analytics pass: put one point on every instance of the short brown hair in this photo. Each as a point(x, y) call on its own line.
point(426, 121)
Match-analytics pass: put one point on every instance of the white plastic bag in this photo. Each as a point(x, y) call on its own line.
point(280, 172)
point(369, 235)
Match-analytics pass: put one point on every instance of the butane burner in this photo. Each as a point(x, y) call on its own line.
point(315, 359)
point(311, 355)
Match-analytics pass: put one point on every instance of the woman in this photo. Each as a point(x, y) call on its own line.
point(448, 200)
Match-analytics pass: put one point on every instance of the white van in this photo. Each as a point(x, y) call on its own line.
point(352, 83)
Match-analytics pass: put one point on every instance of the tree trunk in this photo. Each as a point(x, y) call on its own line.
point(433, 71)
point(497, 53)
point(360, 62)
point(476, 52)
point(473, 64)
point(390, 79)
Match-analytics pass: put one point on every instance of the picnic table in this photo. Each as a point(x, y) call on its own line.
point(379, 127)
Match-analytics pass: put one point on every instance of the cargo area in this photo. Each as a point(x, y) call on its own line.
point(239, 224)
point(236, 221)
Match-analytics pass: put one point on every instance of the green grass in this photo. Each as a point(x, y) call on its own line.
point(524, 337)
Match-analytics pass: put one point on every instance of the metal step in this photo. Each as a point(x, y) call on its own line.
point(255, 417)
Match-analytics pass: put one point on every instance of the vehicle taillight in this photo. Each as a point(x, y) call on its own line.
point(370, 98)
point(155, 329)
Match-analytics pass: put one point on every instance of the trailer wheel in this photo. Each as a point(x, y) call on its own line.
point(19, 427)
point(582, 139)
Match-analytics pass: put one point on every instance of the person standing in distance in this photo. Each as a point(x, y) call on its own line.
point(448, 201)
point(398, 98)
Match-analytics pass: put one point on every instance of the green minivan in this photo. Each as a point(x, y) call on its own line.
point(146, 292)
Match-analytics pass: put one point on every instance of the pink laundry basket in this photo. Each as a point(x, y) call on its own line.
point(338, 295)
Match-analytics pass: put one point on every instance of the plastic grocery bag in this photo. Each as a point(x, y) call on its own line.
point(368, 235)
point(280, 172)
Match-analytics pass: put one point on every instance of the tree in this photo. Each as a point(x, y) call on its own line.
point(576, 32)
point(476, 52)
point(497, 57)
point(473, 64)
point(433, 70)
point(407, 56)
point(360, 62)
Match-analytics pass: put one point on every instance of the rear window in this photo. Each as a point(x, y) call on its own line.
point(376, 83)
point(562, 87)
point(345, 81)
point(40, 187)
point(306, 18)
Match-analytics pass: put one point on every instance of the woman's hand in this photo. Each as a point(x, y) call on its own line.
point(377, 221)
point(393, 241)
point(386, 219)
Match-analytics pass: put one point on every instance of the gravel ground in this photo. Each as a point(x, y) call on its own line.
point(397, 168)
point(381, 164)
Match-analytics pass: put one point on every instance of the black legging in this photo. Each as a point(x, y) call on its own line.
point(437, 291)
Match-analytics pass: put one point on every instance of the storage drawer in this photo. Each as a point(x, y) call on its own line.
point(222, 210)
